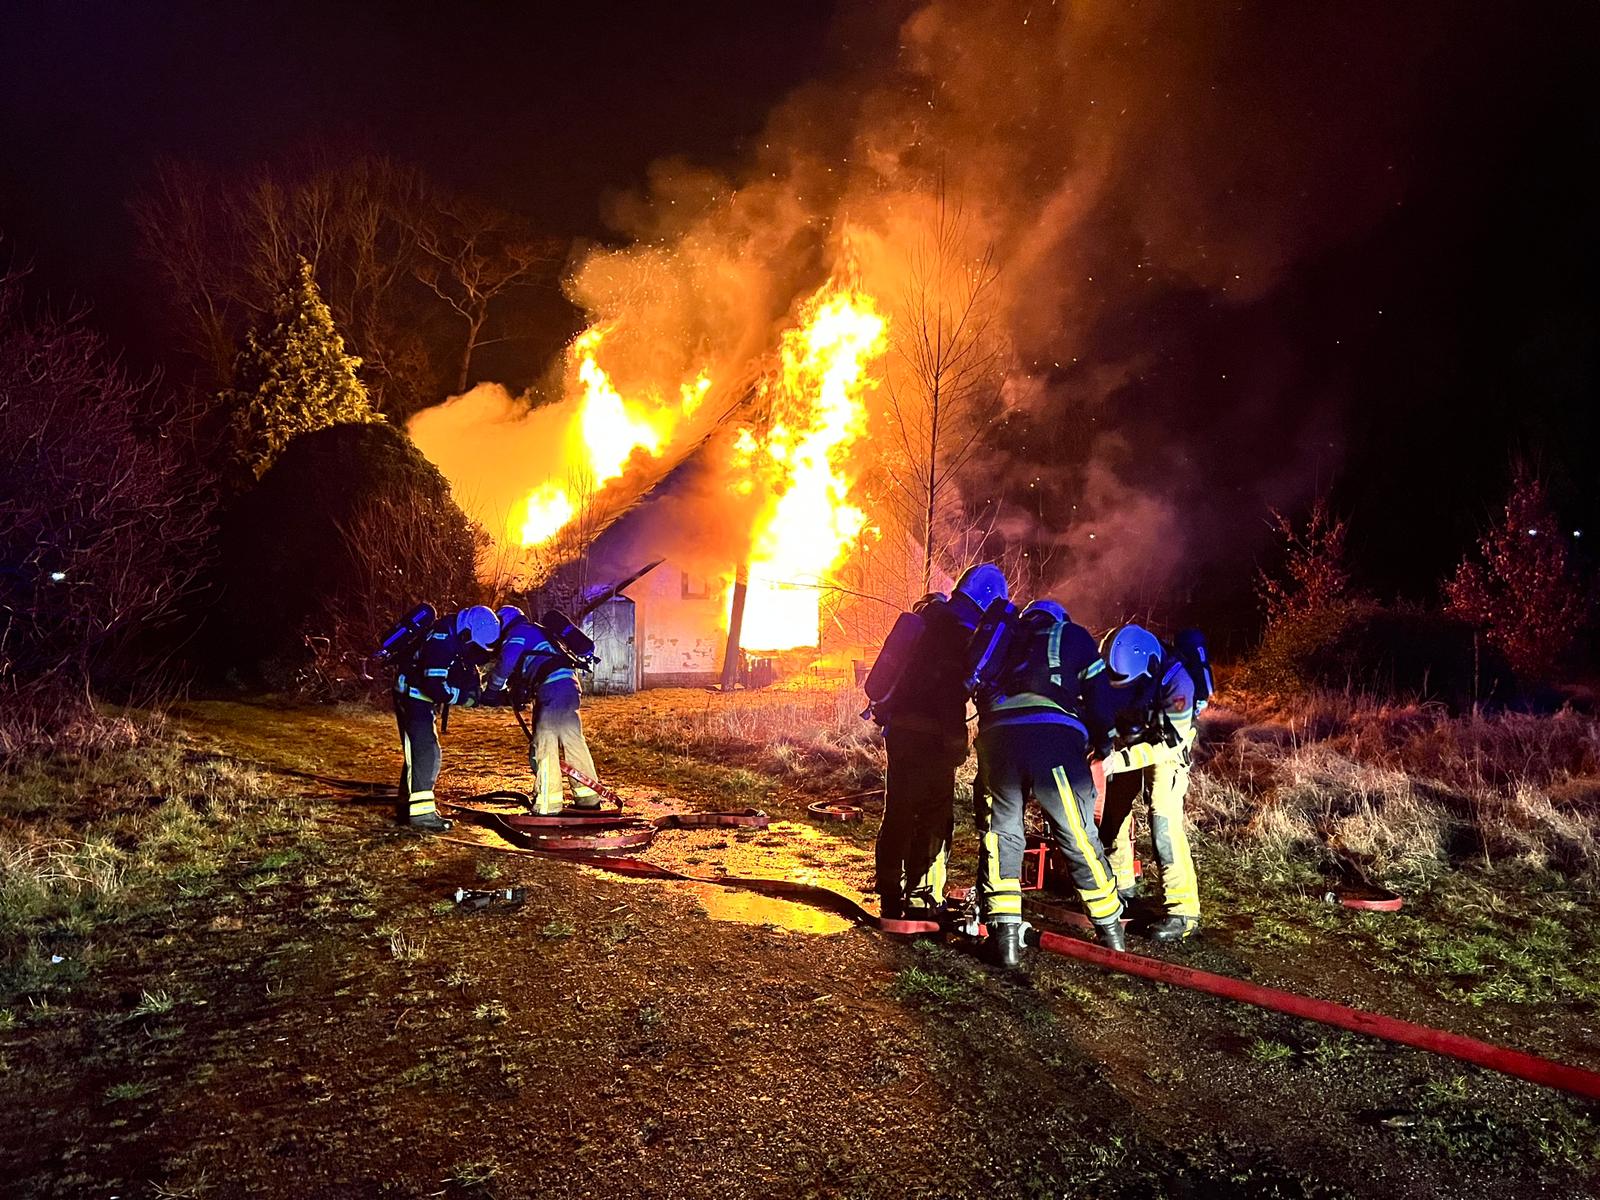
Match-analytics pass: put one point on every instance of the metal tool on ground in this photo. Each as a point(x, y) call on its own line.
point(511, 897)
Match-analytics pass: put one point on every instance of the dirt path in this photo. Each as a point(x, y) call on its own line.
point(336, 1028)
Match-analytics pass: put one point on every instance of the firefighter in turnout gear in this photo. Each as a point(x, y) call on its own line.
point(526, 651)
point(1150, 705)
point(924, 719)
point(439, 670)
point(1033, 742)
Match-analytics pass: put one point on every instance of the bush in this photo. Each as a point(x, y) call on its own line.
point(1401, 651)
point(102, 525)
point(1520, 587)
point(350, 527)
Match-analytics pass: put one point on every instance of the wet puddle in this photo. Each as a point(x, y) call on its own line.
point(752, 908)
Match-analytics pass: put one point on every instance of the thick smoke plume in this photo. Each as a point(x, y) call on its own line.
point(1153, 182)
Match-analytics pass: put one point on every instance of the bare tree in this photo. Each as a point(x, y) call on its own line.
point(222, 246)
point(943, 384)
point(185, 225)
point(471, 254)
point(101, 527)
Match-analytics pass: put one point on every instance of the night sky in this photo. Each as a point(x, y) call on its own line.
point(1457, 331)
point(543, 108)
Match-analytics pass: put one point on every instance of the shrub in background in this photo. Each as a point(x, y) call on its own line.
point(1520, 587)
point(349, 527)
point(294, 377)
point(102, 525)
point(1366, 647)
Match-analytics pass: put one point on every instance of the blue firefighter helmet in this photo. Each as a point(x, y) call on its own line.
point(982, 585)
point(1043, 609)
point(508, 615)
point(479, 625)
point(1131, 653)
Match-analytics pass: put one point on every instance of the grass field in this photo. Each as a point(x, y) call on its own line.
point(225, 973)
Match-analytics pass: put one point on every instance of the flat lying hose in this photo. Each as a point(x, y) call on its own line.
point(1391, 1029)
point(579, 832)
point(783, 889)
point(1544, 1071)
point(612, 833)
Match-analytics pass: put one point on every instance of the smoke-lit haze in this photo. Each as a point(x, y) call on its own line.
point(1153, 179)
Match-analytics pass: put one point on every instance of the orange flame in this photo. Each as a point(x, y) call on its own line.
point(608, 430)
point(799, 466)
point(818, 412)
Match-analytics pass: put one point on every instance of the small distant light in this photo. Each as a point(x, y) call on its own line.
point(1577, 533)
point(1533, 533)
point(1091, 537)
point(58, 576)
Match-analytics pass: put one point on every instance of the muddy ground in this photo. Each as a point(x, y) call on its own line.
point(320, 1020)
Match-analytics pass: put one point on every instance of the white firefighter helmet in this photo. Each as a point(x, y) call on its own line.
point(508, 615)
point(1131, 652)
point(479, 624)
point(982, 585)
point(1045, 608)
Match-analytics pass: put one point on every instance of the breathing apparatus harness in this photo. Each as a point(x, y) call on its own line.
point(569, 649)
point(420, 674)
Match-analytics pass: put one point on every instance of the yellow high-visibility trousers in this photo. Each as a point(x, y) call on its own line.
point(1162, 788)
point(557, 735)
point(1046, 762)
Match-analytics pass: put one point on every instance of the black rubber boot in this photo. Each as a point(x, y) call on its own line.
point(1110, 935)
point(1174, 929)
point(1005, 945)
point(430, 823)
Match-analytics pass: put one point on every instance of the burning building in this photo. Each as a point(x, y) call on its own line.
point(768, 481)
point(1014, 283)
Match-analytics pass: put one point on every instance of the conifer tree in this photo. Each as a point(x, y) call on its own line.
point(296, 377)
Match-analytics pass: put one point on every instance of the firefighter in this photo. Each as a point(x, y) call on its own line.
point(526, 651)
point(440, 671)
point(1032, 741)
point(925, 740)
point(1150, 717)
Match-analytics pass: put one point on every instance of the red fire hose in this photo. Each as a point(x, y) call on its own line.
point(1484, 1054)
point(583, 831)
point(613, 833)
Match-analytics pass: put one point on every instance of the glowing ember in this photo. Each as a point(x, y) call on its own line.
point(818, 411)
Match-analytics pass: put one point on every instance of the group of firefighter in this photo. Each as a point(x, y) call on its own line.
point(443, 662)
point(1056, 712)
point(1056, 709)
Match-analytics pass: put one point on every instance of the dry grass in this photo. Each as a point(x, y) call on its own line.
point(67, 723)
point(812, 738)
point(1402, 790)
point(105, 819)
